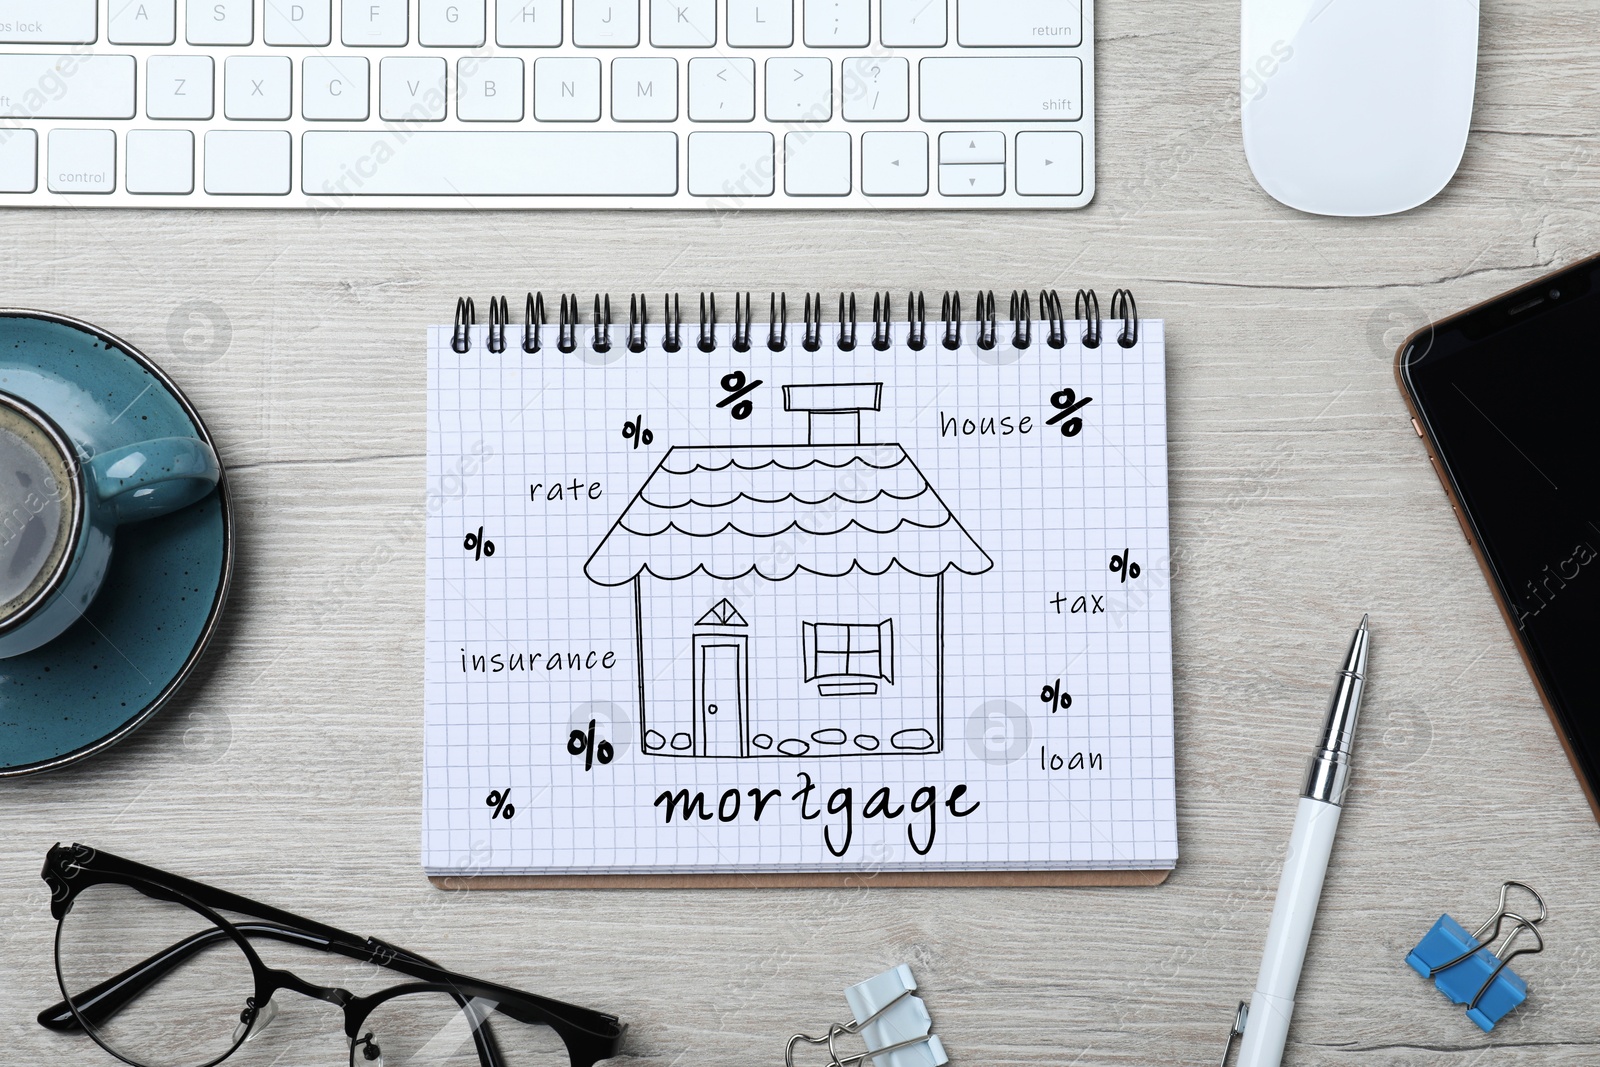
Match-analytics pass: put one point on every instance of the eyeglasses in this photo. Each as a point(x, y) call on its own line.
point(158, 978)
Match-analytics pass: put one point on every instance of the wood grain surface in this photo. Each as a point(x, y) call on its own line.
point(291, 769)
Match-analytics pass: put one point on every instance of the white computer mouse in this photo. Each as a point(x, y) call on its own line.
point(1357, 107)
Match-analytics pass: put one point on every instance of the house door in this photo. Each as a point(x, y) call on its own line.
point(721, 686)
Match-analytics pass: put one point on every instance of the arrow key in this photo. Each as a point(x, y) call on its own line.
point(894, 164)
point(1050, 163)
point(966, 146)
point(972, 179)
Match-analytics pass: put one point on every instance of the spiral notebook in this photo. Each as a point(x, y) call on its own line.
point(718, 602)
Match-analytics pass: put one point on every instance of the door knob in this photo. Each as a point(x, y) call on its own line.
point(711, 709)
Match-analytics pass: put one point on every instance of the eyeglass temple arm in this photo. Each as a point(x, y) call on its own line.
point(100, 1002)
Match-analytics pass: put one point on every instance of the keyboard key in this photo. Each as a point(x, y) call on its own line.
point(179, 87)
point(143, 22)
point(48, 22)
point(299, 23)
point(722, 90)
point(221, 22)
point(816, 163)
point(412, 87)
point(160, 161)
point(605, 23)
point(644, 90)
point(489, 90)
point(500, 163)
point(977, 146)
point(246, 162)
point(528, 23)
point(450, 23)
point(914, 24)
point(972, 179)
point(761, 23)
point(683, 23)
point(66, 87)
point(566, 90)
point(1023, 23)
point(971, 89)
point(732, 165)
point(799, 89)
point(375, 23)
point(19, 160)
point(335, 89)
point(838, 23)
point(1050, 163)
point(877, 90)
point(82, 161)
point(894, 164)
point(257, 87)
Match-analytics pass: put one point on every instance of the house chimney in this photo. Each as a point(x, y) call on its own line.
point(833, 412)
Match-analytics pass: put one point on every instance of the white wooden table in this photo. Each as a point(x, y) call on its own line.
point(1301, 498)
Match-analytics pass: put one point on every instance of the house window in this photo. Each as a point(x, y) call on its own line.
point(837, 649)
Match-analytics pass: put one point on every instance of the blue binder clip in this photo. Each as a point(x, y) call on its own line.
point(894, 1024)
point(1464, 968)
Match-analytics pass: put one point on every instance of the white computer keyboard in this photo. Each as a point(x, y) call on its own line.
point(674, 104)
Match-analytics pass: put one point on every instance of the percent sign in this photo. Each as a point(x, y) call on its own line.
point(1066, 401)
point(634, 431)
point(1124, 567)
point(583, 744)
point(1055, 696)
point(478, 544)
point(737, 386)
point(500, 801)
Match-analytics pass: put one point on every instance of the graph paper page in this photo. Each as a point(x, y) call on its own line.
point(832, 611)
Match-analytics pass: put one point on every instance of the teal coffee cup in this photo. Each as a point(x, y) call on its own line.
point(60, 504)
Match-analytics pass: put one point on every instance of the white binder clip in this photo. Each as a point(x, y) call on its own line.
point(894, 1024)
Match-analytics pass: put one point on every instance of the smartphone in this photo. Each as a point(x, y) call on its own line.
point(1504, 395)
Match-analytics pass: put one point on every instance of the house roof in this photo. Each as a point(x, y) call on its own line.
point(774, 511)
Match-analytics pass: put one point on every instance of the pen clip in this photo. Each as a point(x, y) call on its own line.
point(1240, 1019)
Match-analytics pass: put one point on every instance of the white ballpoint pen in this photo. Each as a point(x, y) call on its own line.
point(1264, 1021)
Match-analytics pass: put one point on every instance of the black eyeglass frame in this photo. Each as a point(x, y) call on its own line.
point(589, 1036)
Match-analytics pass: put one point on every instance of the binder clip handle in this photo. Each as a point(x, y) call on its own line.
point(890, 1020)
point(1491, 926)
point(1471, 968)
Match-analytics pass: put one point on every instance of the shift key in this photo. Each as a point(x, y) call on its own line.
point(47, 22)
point(1021, 89)
point(66, 87)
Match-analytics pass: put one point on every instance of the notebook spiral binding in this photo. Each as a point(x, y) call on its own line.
point(1051, 322)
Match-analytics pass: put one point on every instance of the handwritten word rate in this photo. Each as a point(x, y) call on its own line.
point(557, 491)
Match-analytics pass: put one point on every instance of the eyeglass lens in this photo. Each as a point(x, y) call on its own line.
point(188, 1017)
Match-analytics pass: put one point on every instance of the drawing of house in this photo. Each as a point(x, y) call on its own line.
point(789, 599)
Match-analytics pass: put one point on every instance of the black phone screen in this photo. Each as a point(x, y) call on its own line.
point(1510, 394)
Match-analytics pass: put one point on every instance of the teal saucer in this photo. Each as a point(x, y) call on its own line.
point(164, 593)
